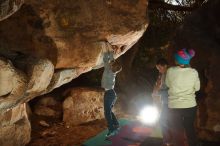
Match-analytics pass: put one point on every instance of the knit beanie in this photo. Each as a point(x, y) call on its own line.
point(183, 56)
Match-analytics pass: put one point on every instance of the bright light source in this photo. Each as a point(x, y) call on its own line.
point(173, 2)
point(149, 115)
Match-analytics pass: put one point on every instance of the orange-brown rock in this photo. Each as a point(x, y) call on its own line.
point(15, 127)
point(49, 43)
point(53, 42)
point(48, 106)
point(83, 105)
point(67, 32)
point(13, 84)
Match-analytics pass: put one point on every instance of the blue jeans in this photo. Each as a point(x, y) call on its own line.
point(109, 101)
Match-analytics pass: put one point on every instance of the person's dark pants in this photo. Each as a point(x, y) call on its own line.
point(183, 120)
point(164, 123)
point(109, 101)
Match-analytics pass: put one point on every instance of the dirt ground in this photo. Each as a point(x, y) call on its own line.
point(57, 134)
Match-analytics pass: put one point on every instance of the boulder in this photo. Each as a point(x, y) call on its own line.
point(82, 105)
point(15, 127)
point(56, 41)
point(65, 32)
point(48, 106)
point(13, 85)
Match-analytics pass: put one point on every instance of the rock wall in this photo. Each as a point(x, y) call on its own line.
point(48, 106)
point(15, 127)
point(48, 43)
point(65, 32)
point(52, 42)
point(82, 105)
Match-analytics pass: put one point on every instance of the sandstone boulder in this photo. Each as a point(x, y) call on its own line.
point(48, 106)
point(15, 127)
point(13, 85)
point(53, 42)
point(66, 32)
point(82, 105)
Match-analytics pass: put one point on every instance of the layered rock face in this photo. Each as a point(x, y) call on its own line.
point(66, 32)
point(201, 32)
point(48, 43)
point(53, 42)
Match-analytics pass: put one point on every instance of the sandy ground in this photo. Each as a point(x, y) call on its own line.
point(57, 134)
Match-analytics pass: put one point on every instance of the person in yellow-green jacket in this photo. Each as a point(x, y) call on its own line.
point(182, 81)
